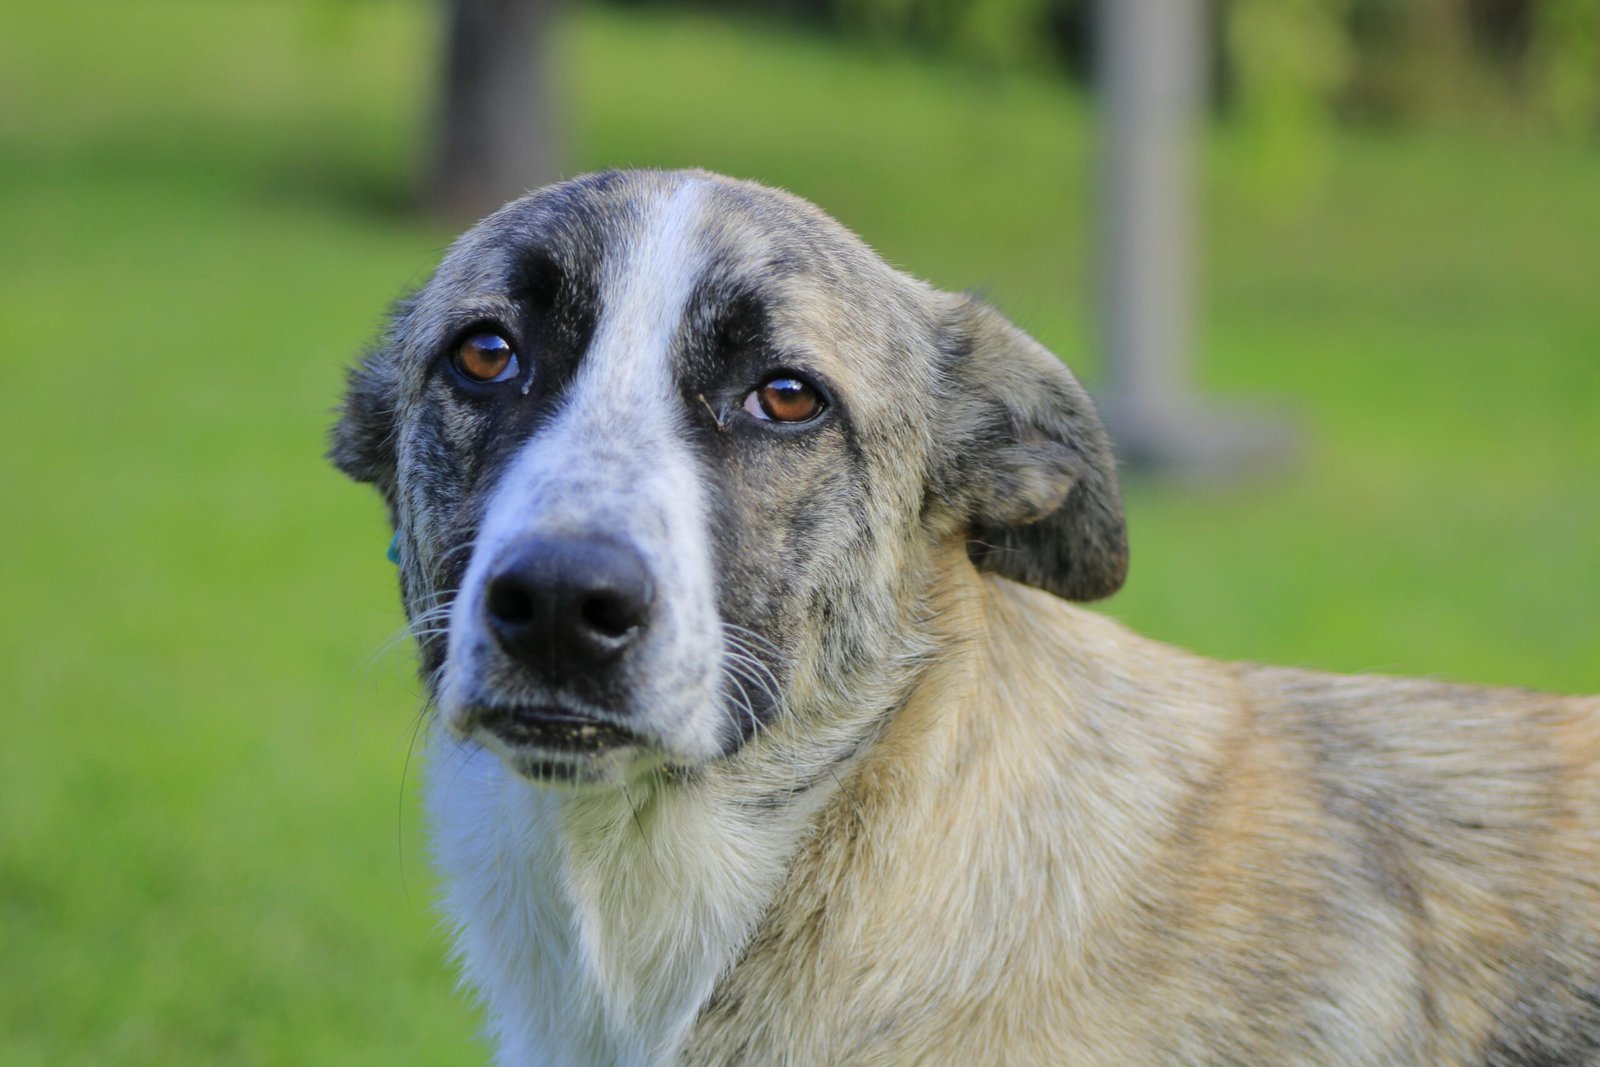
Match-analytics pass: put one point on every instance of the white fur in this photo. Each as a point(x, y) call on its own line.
point(596, 924)
point(614, 460)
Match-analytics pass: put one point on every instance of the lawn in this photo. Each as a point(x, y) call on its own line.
point(210, 850)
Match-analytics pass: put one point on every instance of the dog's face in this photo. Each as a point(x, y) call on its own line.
point(669, 456)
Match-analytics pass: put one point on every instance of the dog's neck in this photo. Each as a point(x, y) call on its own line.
point(1034, 754)
point(598, 924)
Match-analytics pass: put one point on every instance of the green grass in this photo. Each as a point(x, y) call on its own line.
point(209, 849)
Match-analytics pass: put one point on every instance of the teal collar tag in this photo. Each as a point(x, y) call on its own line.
point(394, 550)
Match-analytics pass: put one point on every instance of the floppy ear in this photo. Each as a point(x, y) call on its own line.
point(1024, 456)
point(362, 441)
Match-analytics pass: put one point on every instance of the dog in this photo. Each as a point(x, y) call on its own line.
point(743, 570)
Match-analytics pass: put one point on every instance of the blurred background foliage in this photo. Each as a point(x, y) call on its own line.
point(1388, 61)
point(210, 850)
point(1284, 71)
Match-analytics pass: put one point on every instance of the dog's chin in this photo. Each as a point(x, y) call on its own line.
point(563, 770)
point(556, 746)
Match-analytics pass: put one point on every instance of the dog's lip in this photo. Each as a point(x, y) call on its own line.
point(552, 728)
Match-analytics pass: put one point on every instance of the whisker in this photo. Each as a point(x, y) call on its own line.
point(386, 646)
point(757, 672)
point(740, 670)
point(745, 706)
point(645, 838)
point(747, 634)
point(741, 640)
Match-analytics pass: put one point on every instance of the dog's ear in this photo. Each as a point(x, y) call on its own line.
point(1026, 461)
point(362, 442)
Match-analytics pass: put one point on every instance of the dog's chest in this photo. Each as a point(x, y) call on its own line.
point(595, 929)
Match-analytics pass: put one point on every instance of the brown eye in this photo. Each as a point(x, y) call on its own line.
point(486, 357)
point(784, 399)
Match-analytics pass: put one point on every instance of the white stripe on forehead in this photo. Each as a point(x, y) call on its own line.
point(615, 425)
point(615, 463)
point(645, 293)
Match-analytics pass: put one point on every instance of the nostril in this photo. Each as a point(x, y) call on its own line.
point(510, 603)
point(564, 606)
point(610, 614)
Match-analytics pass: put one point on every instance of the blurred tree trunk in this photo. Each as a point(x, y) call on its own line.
point(1441, 78)
point(496, 136)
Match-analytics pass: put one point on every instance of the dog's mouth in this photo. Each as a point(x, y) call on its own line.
point(553, 745)
point(554, 730)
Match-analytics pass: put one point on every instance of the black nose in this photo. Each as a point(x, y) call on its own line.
point(563, 606)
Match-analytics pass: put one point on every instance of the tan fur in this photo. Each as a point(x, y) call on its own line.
point(971, 823)
point(1075, 845)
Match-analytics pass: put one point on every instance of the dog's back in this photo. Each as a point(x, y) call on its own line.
point(1211, 863)
point(1473, 817)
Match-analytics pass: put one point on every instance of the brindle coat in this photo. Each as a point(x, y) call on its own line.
point(862, 786)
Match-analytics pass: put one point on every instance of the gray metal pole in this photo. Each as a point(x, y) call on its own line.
point(1152, 56)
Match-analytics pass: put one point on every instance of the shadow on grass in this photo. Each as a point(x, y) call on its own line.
point(319, 168)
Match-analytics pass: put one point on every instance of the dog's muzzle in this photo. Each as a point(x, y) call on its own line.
point(565, 612)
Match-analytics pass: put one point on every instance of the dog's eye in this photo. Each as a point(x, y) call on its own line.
point(486, 357)
point(784, 399)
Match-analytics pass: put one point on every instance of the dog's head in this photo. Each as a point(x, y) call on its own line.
point(669, 457)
